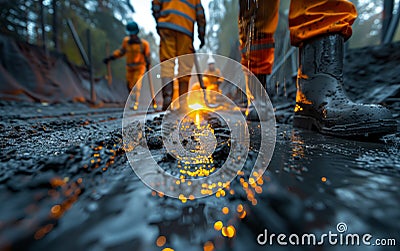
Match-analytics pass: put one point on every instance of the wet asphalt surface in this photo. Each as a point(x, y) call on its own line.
point(66, 184)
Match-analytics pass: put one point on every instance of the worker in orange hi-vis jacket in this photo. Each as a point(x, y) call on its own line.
point(213, 74)
point(319, 28)
point(213, 79)
point(137, 53)
point(175, 25)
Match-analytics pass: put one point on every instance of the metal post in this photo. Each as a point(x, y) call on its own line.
point(43, 26)
point(109, 74)
point(55, 25)
point(294, 64)
point(78, 43)
point(392, 27)
point(153, 96)
point(92, 90)
point(388, 6)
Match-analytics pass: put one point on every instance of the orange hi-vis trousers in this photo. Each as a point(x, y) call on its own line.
point(258, 20)
point(134, 81)
point(174, 44)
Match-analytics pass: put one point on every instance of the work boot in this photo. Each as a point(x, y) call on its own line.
point(167, 92)
point(321, 103)
point(263, 79)
point(183, 90)
point(252, 113)
point(133, 96)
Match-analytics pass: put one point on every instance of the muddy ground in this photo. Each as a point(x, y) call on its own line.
point(66, 184)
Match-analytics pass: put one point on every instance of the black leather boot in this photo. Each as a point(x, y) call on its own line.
point(321, 103)
point(167, 92)
point(183, 89)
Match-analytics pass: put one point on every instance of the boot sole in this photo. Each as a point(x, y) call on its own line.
point(362, 130)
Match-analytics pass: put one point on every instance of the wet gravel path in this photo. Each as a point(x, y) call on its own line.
point(65, 184)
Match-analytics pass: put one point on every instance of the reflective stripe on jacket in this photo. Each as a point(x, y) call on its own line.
point(179, 15)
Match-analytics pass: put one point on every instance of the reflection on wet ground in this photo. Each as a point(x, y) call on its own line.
point(205, 140)
point(83, 194)
point(339, 182)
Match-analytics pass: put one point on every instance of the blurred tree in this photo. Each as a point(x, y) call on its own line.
point(15, 17)
point(105, 18)
point(222, 29)
point(216, 10)
point(366, 28)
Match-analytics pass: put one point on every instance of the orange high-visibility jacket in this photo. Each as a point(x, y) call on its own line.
point(137, 54)
point(179, 15)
